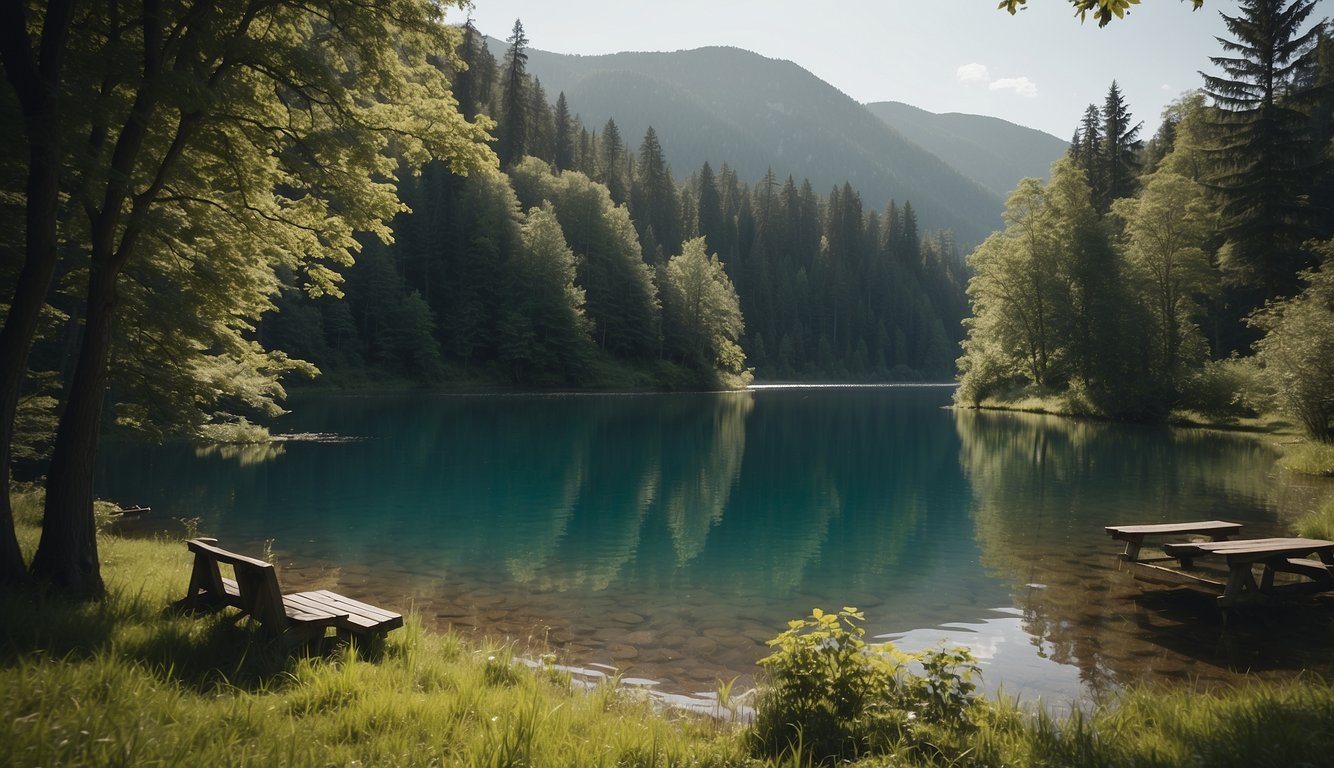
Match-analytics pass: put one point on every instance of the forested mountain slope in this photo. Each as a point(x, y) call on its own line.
point(754, 113)
point(993, 152)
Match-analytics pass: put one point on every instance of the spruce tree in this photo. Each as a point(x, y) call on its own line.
point(1263, 156)
point(541, 124)
point(709, 207)
point(512, 137)
point(1119, 154)
point(611, 163)
point(563, 150)
point(1087, 156)
point(653, 201)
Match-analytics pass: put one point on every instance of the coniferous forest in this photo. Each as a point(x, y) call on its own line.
point(801, 286)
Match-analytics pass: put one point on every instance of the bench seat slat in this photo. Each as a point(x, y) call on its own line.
point(356, 606)
point(359, 615)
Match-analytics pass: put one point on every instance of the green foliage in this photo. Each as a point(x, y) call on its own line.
point(1165, 229)
point(1103, 10)
point(829, 696)
point(1297, 351)
point(237, 432)
point(543, 334)
point(1230, 388)
point(1265, 165)
point(701, 314)
point(1047, 305)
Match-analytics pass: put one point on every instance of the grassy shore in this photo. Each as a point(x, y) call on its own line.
point(127, 682)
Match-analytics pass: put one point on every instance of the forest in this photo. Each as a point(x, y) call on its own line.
point(802, 286)
point(1189, 272)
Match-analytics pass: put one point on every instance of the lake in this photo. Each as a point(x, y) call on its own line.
point(670, 535)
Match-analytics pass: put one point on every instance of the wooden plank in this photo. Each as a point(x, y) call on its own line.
point(1252, 550)
point(223, 556)
point(1167, 529)
point(360, 607)
point(299, 608)
point(1162, 575)
point(357, 616)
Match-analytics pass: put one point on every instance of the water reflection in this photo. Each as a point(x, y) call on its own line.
point(672, 535)
point(1044, 487)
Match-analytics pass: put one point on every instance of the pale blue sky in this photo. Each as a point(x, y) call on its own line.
point(1040, 68)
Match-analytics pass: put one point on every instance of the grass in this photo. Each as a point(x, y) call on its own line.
point(1309, 458)
point(124, 682)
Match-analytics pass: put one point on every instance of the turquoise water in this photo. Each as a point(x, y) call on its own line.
point(669, 536)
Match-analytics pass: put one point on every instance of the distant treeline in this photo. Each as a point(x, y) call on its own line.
point(822, 288)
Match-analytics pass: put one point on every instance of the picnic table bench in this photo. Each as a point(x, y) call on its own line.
point(294, 618)
point(1134, 535)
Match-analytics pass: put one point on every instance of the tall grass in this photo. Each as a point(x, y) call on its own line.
point(1309, 459)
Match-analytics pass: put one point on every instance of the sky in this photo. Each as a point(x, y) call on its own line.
point(1039, 68)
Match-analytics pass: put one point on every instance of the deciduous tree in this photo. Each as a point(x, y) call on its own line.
point(214, 140)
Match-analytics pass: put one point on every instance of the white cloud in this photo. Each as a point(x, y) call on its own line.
point(1022, 86)
point(978, 73)
point(973, 71)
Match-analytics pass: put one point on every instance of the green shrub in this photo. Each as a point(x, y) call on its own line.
point(830, 696)
point(1223, 389)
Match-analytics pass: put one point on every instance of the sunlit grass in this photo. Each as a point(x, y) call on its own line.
point(121, 683)
point(1309, 458)
point(1318, 524)
point(1260, 724)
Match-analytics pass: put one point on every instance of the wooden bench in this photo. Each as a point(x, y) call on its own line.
point(292, 619)
point(1134, 535)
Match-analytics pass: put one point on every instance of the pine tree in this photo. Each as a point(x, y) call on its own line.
point(1119, 153)
point(653, 201)
point(1087, 156)
point(541, 140)
point(1264, 159)
point(710, 211)
point(563, 151)
point(611, 163)
point(511, 142)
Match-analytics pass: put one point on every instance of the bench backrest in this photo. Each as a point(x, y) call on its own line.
point(256, 580)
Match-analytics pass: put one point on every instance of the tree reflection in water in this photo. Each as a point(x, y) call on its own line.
point(1044, 487)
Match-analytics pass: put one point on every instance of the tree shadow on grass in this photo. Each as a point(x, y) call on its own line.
point(206, 652)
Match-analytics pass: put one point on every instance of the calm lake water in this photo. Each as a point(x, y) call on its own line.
point(669, 536)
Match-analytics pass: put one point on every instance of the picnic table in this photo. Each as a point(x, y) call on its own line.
point(1312, 559)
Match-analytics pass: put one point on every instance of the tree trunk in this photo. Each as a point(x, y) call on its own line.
point(21, 325)
point(67, 554)
point(34, 80)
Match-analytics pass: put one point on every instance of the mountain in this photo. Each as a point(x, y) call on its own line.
point(993, 152)
point(727, 105)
